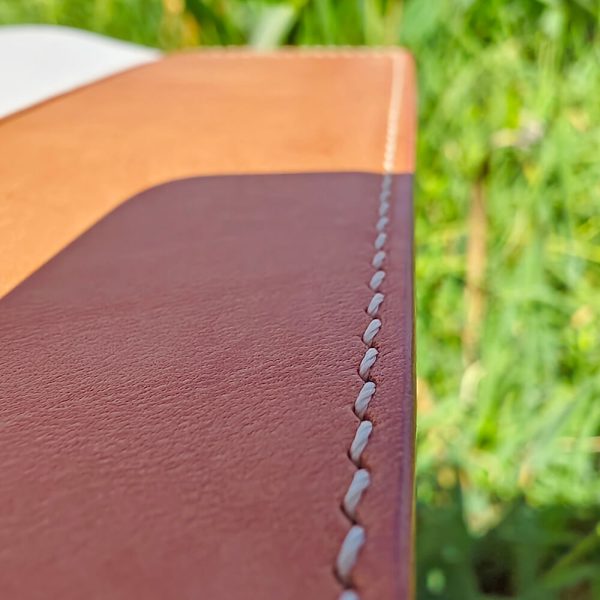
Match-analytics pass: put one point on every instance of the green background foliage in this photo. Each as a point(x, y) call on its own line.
point(508, 257)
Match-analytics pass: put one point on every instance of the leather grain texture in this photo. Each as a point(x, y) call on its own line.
point(177, 389)
point(66, 163)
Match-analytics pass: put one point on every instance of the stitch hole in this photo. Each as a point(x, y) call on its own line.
point(357, 462)
point(352, 520)
point(347, 585)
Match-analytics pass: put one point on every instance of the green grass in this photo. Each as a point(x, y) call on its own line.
point(508, 263)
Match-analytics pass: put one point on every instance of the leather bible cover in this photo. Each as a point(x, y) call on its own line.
point(206, 332)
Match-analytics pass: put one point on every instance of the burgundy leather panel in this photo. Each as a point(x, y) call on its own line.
point(177, 390)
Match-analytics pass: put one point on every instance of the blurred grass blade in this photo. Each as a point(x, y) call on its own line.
point(272, 25)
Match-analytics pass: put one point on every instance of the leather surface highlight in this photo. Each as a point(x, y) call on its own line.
point(177, 389)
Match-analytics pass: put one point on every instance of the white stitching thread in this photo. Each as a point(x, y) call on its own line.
point(360, 482)
point(379, 258)
point(359, 443)
point(377, 280)
point(364, 397)
point(356, 536)
point(382, 223)
point(353, 542)
point(380, 241)
point(371, 331)
point(374, 305)
point(367, 362)
point(318, 52)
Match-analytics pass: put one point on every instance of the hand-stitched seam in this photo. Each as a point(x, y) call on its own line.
point(316, 52)
point(356, 537)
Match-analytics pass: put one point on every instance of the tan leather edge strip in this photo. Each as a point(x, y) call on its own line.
point(407, 135)
point(405, 160)
point(409, 97)
point(70, 92)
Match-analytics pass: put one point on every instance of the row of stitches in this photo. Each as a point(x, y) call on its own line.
point(356, 536)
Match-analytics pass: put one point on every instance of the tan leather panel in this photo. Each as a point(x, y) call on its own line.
point(67, 162)
point(177, 395)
